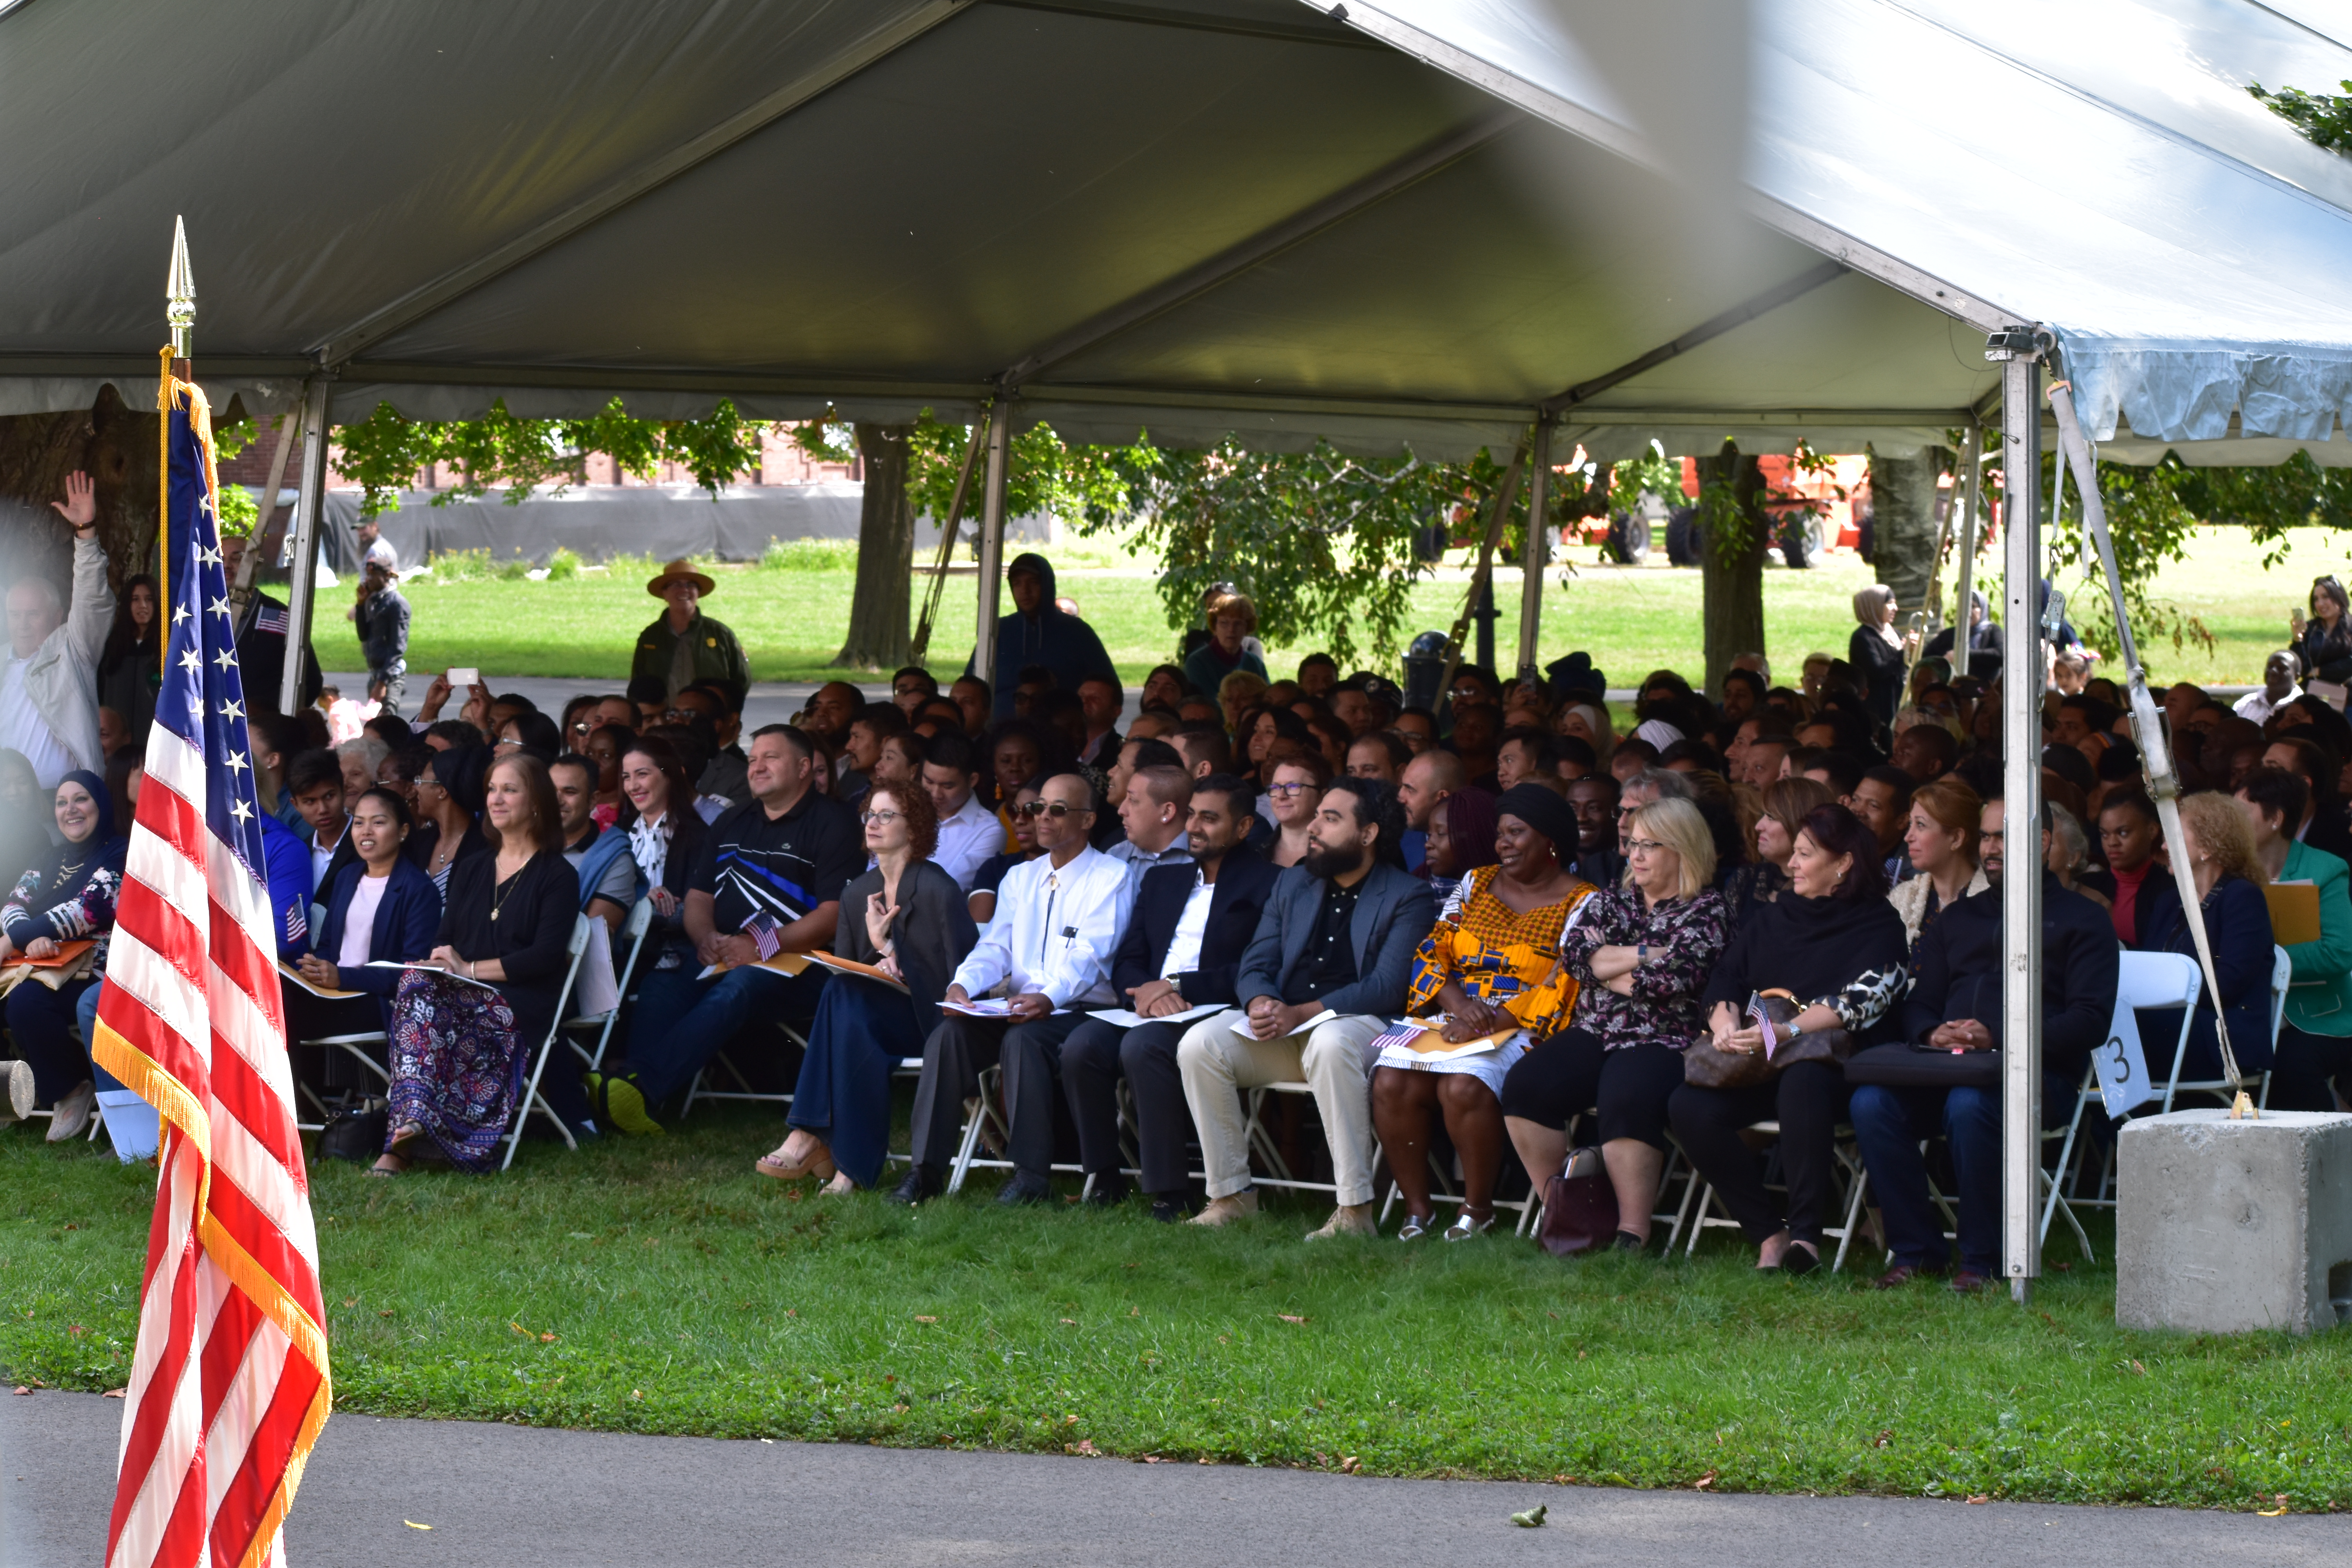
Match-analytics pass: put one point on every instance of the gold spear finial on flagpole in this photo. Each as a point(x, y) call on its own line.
point(180, 291)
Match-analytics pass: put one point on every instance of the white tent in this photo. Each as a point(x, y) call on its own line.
point(1382, 222)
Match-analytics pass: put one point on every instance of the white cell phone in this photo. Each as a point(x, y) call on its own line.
point(459, 679)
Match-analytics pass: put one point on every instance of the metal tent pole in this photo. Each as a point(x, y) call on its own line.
point(302, 589)
point(1535, 551)
point(1971, 480)
point(992, 541)
point(2021, 884)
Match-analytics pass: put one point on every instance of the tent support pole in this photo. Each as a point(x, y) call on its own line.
point(1482, 578)
point(1535, 551)
point(992, 541)
point(919, 649)
point(2022, 682)
point(302, 589)
point(1972, 481)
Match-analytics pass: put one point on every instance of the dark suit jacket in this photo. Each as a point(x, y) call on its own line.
point(405, 920)
point(1393, 912)
point(1245, 881)
point(1956, 972)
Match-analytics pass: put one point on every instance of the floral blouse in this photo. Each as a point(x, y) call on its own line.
point(38, 908)
point(1498, 954)
point(1665, 1008)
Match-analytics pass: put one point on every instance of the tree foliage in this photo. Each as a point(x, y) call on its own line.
point(386, 451)
point(2325, 118)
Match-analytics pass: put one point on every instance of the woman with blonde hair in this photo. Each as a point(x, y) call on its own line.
point(1877, 651)
point(2229, 875)
point(1940, 839)
point(1641, 954)
point(1236, 694)
point(1233, 620)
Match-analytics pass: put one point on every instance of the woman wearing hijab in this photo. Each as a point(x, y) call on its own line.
point(129, 667)
point(1836, 945)
point(1491, 963)
point(68, 896)
point(1876, 651)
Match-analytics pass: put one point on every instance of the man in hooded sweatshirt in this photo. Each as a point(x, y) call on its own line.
point(1037, 632)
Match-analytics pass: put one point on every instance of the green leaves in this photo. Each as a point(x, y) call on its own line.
point(386, 451)
point(2325, 120)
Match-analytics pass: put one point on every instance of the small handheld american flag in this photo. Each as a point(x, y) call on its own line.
point(765, 934)
point(1762, 1016)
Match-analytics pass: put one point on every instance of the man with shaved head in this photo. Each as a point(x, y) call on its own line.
point(1425, 783)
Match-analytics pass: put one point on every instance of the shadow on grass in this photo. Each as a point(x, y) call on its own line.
point(660, 1286)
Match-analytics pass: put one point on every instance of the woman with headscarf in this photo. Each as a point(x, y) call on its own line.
point(1589, 722)
point(1984, 637)
point(67, 897)
point(1491, 963)
point(1876, 651)
point(129, 667)
point(448, 812)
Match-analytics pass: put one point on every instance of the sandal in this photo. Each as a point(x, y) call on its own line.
point(380, 1169)
point(773, 1164)
point(1415, 1226)
point(402, 1137)
point(1465, 1227)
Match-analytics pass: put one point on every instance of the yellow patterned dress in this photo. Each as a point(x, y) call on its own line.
point(1506, 957)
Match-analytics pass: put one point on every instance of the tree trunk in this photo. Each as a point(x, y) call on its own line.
point(879, 628)
point(1731, 573)
point(1903, 500)
point(113, 445)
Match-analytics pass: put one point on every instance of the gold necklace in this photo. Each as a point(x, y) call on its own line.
point(498, 899)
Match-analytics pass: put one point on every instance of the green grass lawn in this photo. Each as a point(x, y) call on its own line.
point(1630, 620)
point(660, 1286)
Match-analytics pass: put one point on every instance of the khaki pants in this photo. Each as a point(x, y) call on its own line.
point(1218, 1065)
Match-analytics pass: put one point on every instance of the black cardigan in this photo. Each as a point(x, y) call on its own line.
point(1849, 952)
point(932, 934)
point(531, 936)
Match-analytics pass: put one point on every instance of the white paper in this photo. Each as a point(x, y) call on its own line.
point(1246, 1033)
point(985, 1008)
point(1127, 1020)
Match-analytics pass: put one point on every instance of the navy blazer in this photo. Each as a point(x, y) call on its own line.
point(405, 920)
point(2238, 924)
point(1394, 910)
point(1243, 883)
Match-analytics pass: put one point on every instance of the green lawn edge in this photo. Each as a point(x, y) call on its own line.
point(687, 1295)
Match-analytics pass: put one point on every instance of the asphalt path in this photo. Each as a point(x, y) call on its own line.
point(514, 1497)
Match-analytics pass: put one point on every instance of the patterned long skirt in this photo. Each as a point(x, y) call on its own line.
point(457, 1065)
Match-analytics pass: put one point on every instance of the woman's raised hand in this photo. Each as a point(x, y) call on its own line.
point(878, 917)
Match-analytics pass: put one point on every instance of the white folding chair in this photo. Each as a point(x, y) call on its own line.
point(633, 931)
point(531, 1099)
point(2281, 969)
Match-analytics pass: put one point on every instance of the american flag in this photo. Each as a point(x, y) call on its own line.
point(229, 1385)
point(766, 934)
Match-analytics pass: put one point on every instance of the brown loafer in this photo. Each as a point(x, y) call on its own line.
point(1902, 1274)
point(1968, 1282)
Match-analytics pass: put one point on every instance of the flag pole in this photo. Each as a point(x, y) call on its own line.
point(180, 315)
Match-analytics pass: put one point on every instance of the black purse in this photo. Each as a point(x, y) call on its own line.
point(1905, 1065)
point(355, 1132)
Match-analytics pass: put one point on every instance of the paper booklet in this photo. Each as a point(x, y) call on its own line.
point(1425, 1038)
point(1125, 1020)
point(980, 1007)
point(443, 974)
point(782, 964)
point(1246, 1033)
point(850, 966)
point(295, 975)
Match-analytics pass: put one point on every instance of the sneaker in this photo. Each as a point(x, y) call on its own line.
point(1227, 1209)
point(20, 1091)
point(71, 1117)
point(1025, 1187)
point(623, 1105)
point(922, 1182)
point(1348, 1219)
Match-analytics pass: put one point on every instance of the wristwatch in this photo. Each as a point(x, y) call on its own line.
point(1795, 1028)
point(1642, 952)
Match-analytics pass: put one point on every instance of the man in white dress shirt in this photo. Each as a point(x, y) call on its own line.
point(1049, 947)
point(970, 834)
point(2282, 678)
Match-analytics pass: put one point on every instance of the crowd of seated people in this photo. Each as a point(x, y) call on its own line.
point(1107, 943)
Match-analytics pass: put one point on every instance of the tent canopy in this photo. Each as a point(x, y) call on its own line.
point(1406, 222)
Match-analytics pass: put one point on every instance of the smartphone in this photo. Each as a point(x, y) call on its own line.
point(459, 679)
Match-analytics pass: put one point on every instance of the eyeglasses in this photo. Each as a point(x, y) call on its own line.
point(1646, 846)
point(1625, 812)
point(1053, 808)
point(1285, 791)
point(873, 817)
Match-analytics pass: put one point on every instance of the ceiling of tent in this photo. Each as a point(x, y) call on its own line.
point(1194, 216)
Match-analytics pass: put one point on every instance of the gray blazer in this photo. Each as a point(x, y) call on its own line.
point(1393, 912)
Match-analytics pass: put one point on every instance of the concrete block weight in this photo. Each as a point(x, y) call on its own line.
point(2223, 1227)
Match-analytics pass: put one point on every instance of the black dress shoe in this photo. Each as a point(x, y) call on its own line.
point(1168, 1211)
point(1626, 1241)
point(1799, 1260)
point(922, 1182)
point(1108, 1191)
point(1025, 1187)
